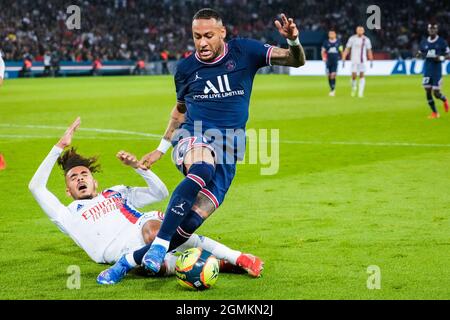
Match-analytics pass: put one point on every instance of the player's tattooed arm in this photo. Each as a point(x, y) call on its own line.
point(176, 119)
point(292, 57)
point(295, 55)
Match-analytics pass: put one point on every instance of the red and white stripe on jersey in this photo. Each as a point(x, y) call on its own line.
point(217, 59)
point(183, 233)
point(362, 49)
point(160, 215)
point(269, 56)
point(196, 179)
point(210, 196)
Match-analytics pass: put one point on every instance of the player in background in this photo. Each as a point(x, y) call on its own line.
point(107, 225)
point(2, 69)
point(435, 50)
point(331, 53)
point(213, 91)
point(361, 49)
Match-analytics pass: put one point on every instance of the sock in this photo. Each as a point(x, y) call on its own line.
point(183, 197)
point(431, 102)
point(139, 254)
point(362, 83)
point(353, 84)
point(329, 83)
point(131, 261)
point(440, 96)
point(332, 84)
point(170, 262)
point(220, 251)
point(192, 222)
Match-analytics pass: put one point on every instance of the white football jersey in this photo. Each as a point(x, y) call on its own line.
point(108, 225)
point(359, 47)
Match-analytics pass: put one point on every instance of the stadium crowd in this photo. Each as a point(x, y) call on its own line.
point(153, 30)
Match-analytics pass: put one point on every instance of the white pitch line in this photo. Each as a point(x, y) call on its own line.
point(135, 133)
point(153, 136)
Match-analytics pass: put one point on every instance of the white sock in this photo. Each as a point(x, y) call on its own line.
point(130, 259)
point(170, 261)
point(219, 250)
point(161, 242)
point(362, 83)
point(353, 84)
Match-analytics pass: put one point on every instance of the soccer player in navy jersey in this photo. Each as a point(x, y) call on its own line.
point(435, 50)
point(213, 88)
point(331, 51)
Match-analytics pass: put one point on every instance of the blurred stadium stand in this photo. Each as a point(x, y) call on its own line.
point(128, 30)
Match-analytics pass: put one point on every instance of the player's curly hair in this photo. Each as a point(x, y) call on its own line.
point(70, 159)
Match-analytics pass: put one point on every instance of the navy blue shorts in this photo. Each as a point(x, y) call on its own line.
point(432, 80)
point(216, 189)
point(331, 67)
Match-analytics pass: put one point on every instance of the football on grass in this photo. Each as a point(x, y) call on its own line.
point(197, 269)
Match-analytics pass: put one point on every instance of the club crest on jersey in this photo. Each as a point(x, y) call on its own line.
point(230, 65)
point(79, 206)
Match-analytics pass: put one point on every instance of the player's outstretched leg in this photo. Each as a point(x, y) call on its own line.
point(116, 272)
point(180, 204)
point(440, 96)
point(434, 114)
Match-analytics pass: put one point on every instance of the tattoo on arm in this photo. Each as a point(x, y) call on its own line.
point(292, 57)
point(176, 119)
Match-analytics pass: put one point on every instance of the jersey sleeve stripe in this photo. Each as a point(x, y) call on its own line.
point(269, 56)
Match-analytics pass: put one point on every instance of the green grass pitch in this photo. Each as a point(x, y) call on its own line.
point(361, 182)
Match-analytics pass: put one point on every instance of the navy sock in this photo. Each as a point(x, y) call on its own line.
point(329, 83)
point(139, 254)
point(431, 102)
point(440, 96)
point(192, 222)
point(183, 198)
point(332, 84)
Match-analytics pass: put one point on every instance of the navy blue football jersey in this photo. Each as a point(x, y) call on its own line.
point(333, 50)
point(217, 93)
point(431, 49)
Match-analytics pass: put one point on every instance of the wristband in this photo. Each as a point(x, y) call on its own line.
point(293, 43)
point(164, 145)
point(441, 58)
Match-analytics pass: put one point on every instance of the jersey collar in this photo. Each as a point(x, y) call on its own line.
point(431, 41)
point(217, 59)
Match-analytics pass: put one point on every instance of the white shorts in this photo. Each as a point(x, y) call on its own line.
point(358, 67)
point(130, 239)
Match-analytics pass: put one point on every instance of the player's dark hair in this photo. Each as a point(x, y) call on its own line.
point(207, 13)
point(70, 159)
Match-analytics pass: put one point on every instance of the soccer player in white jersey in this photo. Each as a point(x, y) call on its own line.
point(361, 48)
point(2, 69)
point(107, 225)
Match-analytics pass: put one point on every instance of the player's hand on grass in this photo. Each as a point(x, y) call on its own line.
point(287, 29)
point(66, 139)
point(149, 159)
point(128, 159)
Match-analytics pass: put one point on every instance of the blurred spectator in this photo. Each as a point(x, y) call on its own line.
point(128, 29)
